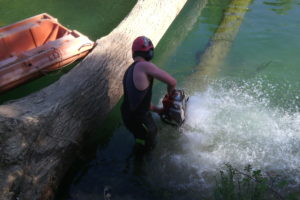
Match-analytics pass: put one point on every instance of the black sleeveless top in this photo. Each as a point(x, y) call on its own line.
point(136, 102)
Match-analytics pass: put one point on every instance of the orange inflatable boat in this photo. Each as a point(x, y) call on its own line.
point(34, 46)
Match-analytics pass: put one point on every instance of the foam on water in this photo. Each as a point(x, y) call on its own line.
point(231, 123)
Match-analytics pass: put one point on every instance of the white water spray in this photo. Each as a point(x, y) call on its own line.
point(233, 124)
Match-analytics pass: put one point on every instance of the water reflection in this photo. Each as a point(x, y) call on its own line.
point(282, 7)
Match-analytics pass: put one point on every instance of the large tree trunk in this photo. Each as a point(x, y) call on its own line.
point(39, 133)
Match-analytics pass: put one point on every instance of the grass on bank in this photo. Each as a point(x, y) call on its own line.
point(252, 184)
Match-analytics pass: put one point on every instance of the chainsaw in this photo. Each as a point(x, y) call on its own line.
point(174, 107)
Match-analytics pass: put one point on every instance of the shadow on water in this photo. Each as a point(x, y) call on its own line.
point(281, 6)
point(186, 20)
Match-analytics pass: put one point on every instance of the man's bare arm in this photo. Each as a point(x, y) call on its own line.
point(161, 75)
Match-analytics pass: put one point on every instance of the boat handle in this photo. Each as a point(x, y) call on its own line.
point(85, 45)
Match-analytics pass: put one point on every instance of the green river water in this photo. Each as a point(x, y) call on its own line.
point(248, 113)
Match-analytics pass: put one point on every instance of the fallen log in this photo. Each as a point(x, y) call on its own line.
point(39, 133)
point(220, 44)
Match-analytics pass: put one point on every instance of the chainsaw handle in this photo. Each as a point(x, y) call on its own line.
point(164, 118)
point(156, 109)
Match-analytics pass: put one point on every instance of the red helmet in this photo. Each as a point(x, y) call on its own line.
point(142, 43)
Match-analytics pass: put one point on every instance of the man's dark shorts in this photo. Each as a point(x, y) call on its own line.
point(144, 130)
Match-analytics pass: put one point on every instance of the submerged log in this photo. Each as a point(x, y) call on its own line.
point(39, 133)
point(220, 44)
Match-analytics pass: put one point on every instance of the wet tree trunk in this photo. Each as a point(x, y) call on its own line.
point(39, 133)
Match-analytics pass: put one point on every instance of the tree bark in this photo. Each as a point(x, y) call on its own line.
point(39, 133)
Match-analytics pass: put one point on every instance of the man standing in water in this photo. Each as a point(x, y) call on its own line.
point(137, 86)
